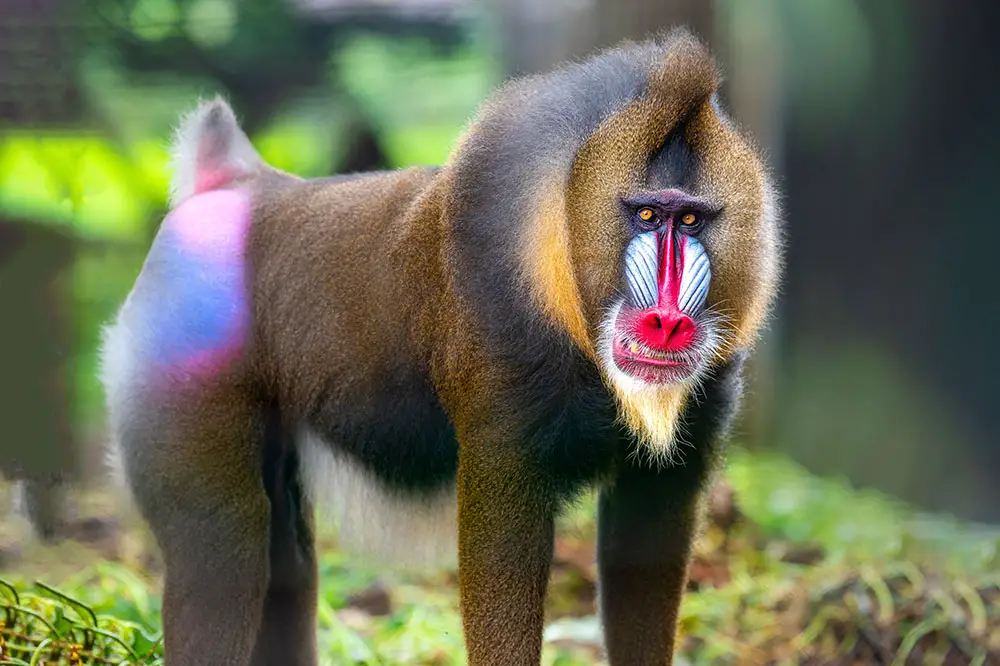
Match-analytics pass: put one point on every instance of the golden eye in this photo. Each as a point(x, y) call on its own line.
point(689, 219)
point(646, 214)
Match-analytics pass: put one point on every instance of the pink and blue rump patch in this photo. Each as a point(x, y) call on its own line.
point(190, 303)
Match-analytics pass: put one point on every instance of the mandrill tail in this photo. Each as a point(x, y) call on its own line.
point(210, 151)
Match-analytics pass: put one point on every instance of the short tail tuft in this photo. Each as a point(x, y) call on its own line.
point(210, 151)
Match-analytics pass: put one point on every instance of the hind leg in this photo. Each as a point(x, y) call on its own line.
point(194, 468)
point(288, 632)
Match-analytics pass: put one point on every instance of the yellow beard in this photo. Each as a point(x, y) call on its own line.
point(652, 414)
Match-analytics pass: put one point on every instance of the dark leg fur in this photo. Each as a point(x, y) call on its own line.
point(647, 520)
point(196, 474)
point(506, 532)
point(646, 524)
point(288, 633)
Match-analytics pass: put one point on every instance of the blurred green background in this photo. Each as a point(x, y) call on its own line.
point(878, 371)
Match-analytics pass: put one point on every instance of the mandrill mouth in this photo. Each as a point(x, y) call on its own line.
point(656, 349)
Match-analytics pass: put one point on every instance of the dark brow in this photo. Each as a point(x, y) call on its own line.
point(670, 201)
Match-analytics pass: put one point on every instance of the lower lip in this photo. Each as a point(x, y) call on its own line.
point(649, 369)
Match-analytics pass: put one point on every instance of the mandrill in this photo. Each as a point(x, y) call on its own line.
point(448, 355)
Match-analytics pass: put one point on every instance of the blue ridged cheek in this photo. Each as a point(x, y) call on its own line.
point(641, 264)
point(695, 280)
point(642, 272)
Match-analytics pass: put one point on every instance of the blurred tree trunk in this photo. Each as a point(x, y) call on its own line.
point(751, 50)
point(615, 20)
point(892, 374)
point(36, 354)
point(364, 145)
point(536, 36)
point(38, 89)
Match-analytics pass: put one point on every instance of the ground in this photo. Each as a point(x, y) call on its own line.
point(790, 569)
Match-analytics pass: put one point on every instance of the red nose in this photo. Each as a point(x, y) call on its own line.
point(665, 331)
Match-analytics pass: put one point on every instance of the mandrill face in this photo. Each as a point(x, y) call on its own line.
point(678, 263)
point(660, 331)
point(647, 227)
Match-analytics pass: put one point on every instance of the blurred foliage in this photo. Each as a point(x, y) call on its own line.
point(82, 181)
point(46, 626)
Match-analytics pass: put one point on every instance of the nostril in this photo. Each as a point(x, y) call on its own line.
point(680, 334)
point(652, 321)
point(671, 332)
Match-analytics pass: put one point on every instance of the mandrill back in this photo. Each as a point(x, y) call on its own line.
point(348, 286)
point(445, 356)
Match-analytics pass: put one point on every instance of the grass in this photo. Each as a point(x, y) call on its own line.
point(799, 570)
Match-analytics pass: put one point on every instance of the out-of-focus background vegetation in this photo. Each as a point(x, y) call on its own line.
point(856, 519)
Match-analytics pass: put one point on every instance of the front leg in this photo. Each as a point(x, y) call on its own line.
point(506, 531)
point(646, 523)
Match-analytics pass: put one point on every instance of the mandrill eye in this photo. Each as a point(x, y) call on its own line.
point(689, 219)
point(647, 219)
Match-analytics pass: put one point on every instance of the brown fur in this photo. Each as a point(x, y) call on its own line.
point(749, 251)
